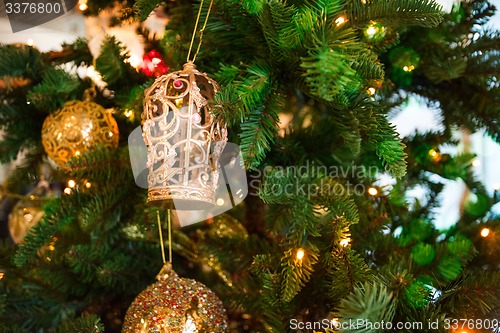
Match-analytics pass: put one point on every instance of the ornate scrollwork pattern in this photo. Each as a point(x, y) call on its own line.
point(76, 128)
point(184, 142)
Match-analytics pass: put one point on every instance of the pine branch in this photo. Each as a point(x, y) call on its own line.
point(481, 288)
point(424, 13)
point(20, 61)
point(112, 65)
point(275, 19)
point(259, 130)
point(43, 232)
point(143, 8)
point(345, 269)
point(296, 273)
point(57, 87)
point(369, 302)
point(84, 324)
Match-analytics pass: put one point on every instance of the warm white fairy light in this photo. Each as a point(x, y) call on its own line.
point(300, 254)
point(371, 91)
point(67, 191)
point(372, 191)
point(345, 242)
point(340, 20)
point(476, 163)
point(30, 42)
point(88, 184)
point(485, 232)
point(82, 5)
point(134, 61)
point(71, 183)
point(371, 31)
point(128, 113)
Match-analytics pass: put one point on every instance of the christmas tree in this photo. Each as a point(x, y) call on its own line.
point(318, 244)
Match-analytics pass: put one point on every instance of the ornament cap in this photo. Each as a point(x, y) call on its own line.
point(166, 272)
point(189, 66)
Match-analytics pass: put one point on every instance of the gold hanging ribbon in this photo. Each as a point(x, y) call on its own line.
point(200, 32)
point(169, 236)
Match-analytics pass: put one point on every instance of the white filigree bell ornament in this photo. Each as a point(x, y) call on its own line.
point(183, 138)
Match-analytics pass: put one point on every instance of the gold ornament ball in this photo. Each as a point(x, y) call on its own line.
point(28, 212)
point(76, 128)
point(175, 305)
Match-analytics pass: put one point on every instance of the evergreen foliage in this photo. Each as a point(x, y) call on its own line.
point(375, 257)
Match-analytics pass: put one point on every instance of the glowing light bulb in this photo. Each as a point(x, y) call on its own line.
point(82, 6)
point(340, 20)
point(128, 113)
point(30, 42)
point(372, 191)
point(344, 242)
point(436, 156)
point(371, 91)
point(220, 202)
point(134, 61)
point(485, 232)
point(88, 184)
point(476, 163)
point(67, 191)
point(2, 274)
point(300, 254)
point(371, 31)
point(71, 183)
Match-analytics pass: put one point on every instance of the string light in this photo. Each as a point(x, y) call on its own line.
point(300, 254)
point(408, 68)
point(375, 32)
point(134, 61)
point(220, 202)
point(371, 31)
point(30, 42)
point(485, 232)
point(71, 183)
point(344, 242)
point(372, 191)
point(82, 5)
point(67, 191)
point(476, 163)
point(128, 113)
point(340, 20)
point(88, 184)
point(371, 91)
point(436, 156)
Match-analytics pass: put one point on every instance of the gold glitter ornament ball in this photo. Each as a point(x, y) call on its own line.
point(76, 128)
point(175, 305)
point(28, 212)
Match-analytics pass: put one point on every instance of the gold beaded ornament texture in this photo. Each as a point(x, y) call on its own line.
point(76, 128)
point(175, 305)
